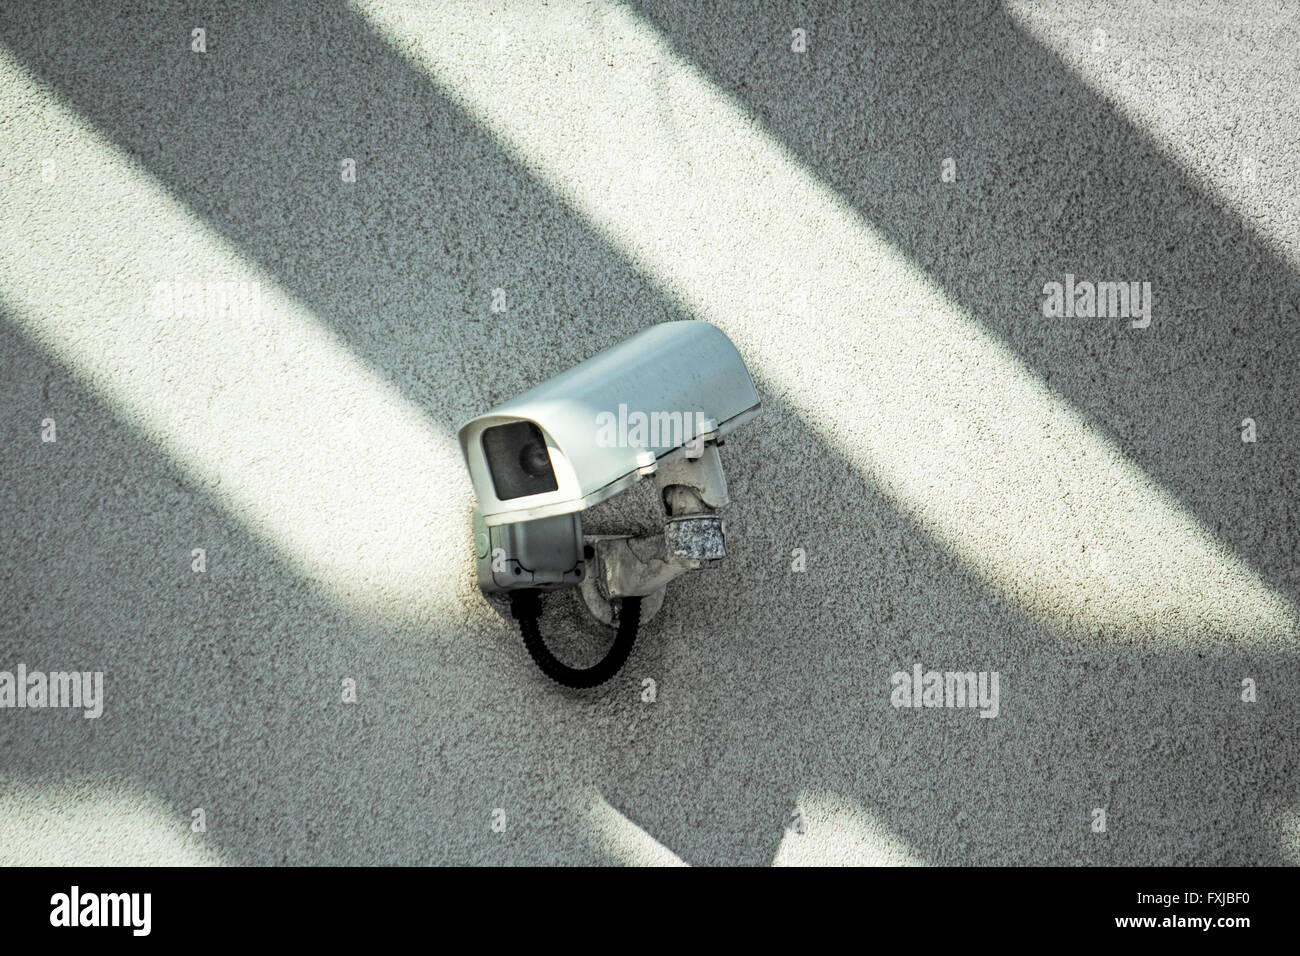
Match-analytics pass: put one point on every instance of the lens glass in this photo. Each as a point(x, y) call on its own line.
point(535, 461)
point(518, 460)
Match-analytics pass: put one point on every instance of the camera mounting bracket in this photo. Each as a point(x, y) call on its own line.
point(693, 538)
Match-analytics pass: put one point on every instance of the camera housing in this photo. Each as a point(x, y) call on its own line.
point(688, 369)
point(656, 405)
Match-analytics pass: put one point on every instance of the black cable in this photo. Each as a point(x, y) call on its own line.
point(526, 608)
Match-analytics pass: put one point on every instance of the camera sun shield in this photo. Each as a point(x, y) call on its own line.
point(544, 453)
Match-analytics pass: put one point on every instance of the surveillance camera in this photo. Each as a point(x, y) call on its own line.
point(655, 406)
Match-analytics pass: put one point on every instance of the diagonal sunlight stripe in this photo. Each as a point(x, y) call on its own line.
point(879, 362)
point(616, 837)
point(838, 832)
point(835, 831)
point(98, 821)
point(266, 410)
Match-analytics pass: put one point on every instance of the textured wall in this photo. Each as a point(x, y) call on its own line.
point(245, 350)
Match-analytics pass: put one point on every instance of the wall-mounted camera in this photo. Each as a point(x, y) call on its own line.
point(655, 406)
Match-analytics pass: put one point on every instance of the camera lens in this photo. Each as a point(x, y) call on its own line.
point(534, 460)
point(518, 460)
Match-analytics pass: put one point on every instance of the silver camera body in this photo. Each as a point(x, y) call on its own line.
point(656, 406)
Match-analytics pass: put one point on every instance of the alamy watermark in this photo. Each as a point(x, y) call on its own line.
point(1100, 300)
point(35, 690)
point(923, 688)
point(207, 299)
point(130, 910)
point(652, 430)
